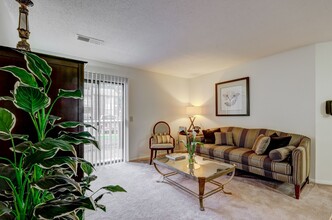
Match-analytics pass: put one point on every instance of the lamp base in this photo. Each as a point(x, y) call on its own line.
point(192, 119)
point(23, 45)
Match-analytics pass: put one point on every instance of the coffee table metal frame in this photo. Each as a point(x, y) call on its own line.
point(201, 181)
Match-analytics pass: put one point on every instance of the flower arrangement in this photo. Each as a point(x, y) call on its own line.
point(191, 147)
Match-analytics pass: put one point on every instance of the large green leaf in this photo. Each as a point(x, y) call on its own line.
point(101, 196)
point(71, 216)
point(30, 99)
point(89, 179)
point(22, 147)
point(58, 208)
point(52, 119)
point(86, 166)
point(6, 98)
point(24, 76)
point(40, 63)
point(56, 181)
point(32, 66)
point(74, 94)
point(78, 135)
point(8, 172)
point(100, 206)
point(4, 209)
point(7, 121)
point(77, 138)
point(55, 162)
point(52, 144)
point(73, 124)
point(38, 156)
point(112, 188)
point(6, 137)
point(65, 190)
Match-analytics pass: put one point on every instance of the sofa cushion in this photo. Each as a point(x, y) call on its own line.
point(224, 138)
point(281, 154)
point(244, 156)
point(261, 144)
point(209, 135)
point(277, 142)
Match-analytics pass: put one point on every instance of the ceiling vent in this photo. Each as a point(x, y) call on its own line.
point(90, 39)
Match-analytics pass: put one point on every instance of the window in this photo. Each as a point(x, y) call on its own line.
point(105, 108)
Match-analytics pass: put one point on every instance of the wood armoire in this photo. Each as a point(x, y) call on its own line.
point(66, 74)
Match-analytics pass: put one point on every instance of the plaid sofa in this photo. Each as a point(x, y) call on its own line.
point(295, 171)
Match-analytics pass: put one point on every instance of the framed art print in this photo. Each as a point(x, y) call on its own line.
point(232, 98)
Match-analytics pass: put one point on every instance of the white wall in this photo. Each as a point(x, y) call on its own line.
point(8, 25)
point(282, 94)
point(323, 121)
point(152, 97)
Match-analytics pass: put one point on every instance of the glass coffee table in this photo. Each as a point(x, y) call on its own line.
point(205, 170)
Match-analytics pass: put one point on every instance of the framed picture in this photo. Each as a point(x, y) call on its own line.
point(232, 98)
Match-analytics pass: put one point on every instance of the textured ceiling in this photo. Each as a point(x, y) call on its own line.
point(177, 37)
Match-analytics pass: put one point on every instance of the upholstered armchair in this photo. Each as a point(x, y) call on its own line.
point(161, 139)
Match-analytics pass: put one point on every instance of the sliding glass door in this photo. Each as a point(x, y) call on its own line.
point(105, 109)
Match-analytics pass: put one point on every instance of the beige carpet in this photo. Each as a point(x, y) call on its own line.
point(251, 199)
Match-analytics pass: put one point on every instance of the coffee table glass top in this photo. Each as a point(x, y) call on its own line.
point(207, 168)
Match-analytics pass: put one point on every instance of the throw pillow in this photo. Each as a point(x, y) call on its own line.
point(281, 154)
point(162, 138)
point(277, 142)
point(261, 143)
point(209, 135)
point(224, 138)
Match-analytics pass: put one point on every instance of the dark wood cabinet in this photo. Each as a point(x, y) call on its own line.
point(66, 74)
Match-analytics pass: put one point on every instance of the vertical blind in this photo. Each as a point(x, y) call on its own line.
point(105, 107)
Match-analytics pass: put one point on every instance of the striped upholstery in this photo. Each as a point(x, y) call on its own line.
point(244, 156)
point(246, 159)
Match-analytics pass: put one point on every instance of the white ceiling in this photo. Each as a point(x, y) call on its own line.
point(185, 38)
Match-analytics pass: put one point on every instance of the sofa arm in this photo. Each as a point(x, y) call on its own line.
point(301, 161)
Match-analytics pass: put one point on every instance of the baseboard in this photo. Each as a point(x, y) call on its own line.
point(139, 158)
point(324, 182)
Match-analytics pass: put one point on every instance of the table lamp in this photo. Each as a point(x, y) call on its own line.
point(192, 111)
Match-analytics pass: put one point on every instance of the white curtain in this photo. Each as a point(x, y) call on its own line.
point(105, 107)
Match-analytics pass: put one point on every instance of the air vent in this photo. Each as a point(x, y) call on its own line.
point(89, 39)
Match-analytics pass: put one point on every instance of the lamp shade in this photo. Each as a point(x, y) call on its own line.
point(193, 110)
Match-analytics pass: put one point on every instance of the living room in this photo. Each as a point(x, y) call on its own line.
point(173, 53)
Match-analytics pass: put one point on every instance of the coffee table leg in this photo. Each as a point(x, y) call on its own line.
point(201, 187)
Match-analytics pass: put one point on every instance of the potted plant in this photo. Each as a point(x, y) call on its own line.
point(39, 182)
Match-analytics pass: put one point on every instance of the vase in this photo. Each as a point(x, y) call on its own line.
point(191, 159)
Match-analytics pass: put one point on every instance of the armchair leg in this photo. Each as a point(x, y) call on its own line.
point(151, 154)
point(155, 153)
point(172, 151)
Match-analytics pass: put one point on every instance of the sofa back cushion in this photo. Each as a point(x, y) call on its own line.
point(224, 138)
point(244, 137)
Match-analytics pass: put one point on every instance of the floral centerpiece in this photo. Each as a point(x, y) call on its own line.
point(191, 147)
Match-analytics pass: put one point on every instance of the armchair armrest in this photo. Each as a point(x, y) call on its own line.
point(151, 141)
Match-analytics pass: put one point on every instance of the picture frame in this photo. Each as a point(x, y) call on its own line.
point(233, 98)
